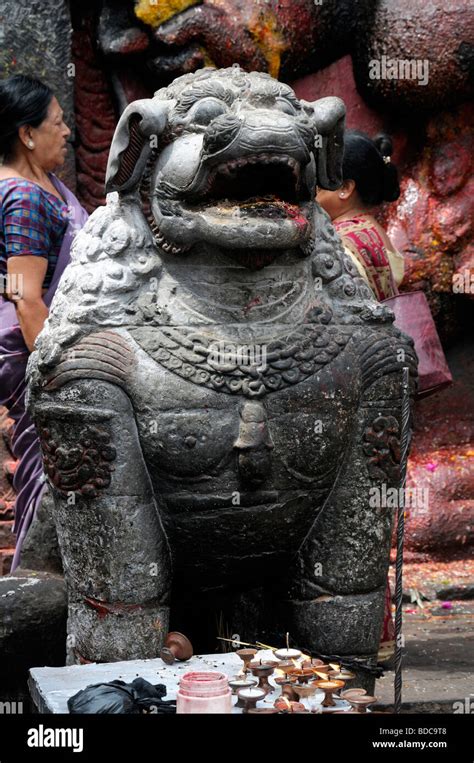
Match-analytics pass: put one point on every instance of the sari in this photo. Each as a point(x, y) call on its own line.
point(381, 268)
point(29, 479)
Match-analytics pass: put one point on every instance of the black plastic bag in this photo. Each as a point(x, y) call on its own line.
point(118, 697)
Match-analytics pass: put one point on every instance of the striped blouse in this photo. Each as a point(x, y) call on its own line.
point(32, 222)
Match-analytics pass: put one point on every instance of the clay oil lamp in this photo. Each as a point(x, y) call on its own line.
point(246, 655)
point(314, 662)
point(291, 670)
point(360, 703)
point(341, 675)
point(352, 693)
point(240, 683)
point(287, 687)
point(286, 666)
point(320, 672)
point(319, 667)
point(287, 654)
point(329, 686)
point(249, 697)
point(303, 675)
point(304, 690)
point(271, 663)
point(262, 671)
point(176, 647)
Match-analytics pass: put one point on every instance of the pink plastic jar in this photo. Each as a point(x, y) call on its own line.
point(204, 693)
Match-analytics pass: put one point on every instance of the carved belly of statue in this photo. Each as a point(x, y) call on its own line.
point(247, 474)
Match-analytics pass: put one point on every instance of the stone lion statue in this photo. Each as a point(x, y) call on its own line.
point(216, 390)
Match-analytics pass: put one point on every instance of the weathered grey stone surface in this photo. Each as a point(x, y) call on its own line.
point(40, 550)
point(216, 390)
point(35, 39)
point(33, 613)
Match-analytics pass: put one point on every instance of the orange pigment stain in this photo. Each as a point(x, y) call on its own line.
point(156, 13)
point(265, 32)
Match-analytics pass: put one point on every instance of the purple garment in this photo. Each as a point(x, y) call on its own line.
point(28, 481)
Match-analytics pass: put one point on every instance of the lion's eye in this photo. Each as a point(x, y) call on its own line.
point(284, 106)
point(206, 110)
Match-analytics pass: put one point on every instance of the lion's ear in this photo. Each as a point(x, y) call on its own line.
point(329, 115)
point(135, 137)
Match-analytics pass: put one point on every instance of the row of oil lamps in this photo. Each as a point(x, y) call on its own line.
point(301, 678)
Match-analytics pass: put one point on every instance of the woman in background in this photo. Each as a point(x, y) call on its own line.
point(369, 178)
point(39, 217)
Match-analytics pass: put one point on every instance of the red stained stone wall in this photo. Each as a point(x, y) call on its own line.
point(432, 224)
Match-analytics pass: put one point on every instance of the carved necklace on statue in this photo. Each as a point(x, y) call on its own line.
point(250, 369)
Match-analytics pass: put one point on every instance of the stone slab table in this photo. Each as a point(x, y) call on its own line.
point(51, 688)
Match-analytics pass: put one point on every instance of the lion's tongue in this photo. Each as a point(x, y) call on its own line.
point(268, 207)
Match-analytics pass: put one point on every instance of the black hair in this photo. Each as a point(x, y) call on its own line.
point(23, 101)
point(367, 163)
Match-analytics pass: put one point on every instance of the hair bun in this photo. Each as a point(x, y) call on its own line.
point(384, 144)
point(367, 162)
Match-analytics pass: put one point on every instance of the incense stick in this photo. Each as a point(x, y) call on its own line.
point(258, 645)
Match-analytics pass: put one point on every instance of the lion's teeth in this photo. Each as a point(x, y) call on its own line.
point(161, 241)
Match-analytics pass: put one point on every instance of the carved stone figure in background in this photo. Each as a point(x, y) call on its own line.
point(216, 389)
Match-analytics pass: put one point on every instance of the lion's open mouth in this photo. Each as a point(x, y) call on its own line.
point(252, 202)
point(260, 185)
point(254, 177)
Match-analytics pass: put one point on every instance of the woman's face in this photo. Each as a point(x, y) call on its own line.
point(337, 203)
point(50, 138)
point(330, 201)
